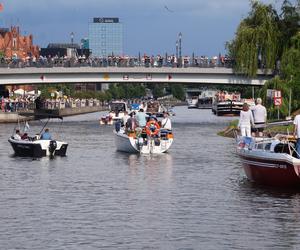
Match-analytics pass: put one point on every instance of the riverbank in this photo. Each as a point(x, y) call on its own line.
point(13, 117)
point(273, 128)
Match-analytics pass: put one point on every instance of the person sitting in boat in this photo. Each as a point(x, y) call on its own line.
point(17, 135)
point(25, 136)
point(141, 118)
point(166, 122)
point(260, 117)
point(246, 120)
point(46, 135)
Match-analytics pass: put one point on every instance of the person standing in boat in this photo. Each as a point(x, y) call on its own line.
point(141, 118)
point(46, 135)
point(297, 134)
point(245, 121)
point(131, 123)
point(260, 117)
point(125, 118)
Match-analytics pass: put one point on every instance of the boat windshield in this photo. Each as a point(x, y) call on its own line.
point(117, 106)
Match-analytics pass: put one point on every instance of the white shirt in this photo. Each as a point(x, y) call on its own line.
point(246, 118)
point(166, 123)
point(259, 113)
point(17, 137)
point(125, 119)
point(297, 124)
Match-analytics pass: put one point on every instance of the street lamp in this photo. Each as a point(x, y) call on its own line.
point(72, 38)
point(180, 56)
point(176, 49)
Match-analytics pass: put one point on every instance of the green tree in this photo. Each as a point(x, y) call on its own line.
point(256, 40)
point(158, 91)
point(177, 91)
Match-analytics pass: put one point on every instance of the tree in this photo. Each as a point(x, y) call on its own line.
point(256, 41)
point(288, 24)
point(158, 91)
point(177, 91)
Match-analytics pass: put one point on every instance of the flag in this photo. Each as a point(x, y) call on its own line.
point(1, 7)
point(26, 127)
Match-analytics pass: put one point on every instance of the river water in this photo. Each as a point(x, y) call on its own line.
point(194, 197)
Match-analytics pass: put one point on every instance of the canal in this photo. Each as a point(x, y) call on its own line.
point(194, 197)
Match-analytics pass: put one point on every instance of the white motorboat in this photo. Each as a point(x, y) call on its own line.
point(117, 111)
point(144, 142)
point(192, 97)
point(36, 147)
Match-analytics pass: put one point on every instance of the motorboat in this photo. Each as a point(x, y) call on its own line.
point(192, 98)
point(270, 161)
point(106, 120)
point(205, 99)
point(225, 103)
point(155, 108)
point(151, 140)
point(37, 147)
point(117, 111)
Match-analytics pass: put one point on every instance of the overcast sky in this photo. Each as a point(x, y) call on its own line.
point(150, 26)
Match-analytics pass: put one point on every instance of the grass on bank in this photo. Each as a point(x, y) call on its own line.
point(233, 125)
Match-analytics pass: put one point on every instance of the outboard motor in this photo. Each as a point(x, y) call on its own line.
point(52, 147)
point(118, 126)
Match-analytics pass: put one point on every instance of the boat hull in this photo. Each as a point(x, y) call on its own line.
point(37, 149)
point(129, 144)
point(271, 172)
point(227, 108)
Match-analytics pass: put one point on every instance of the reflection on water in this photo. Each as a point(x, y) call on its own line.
point(194, 197)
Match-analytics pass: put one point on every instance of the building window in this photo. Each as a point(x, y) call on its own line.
point(14, 42)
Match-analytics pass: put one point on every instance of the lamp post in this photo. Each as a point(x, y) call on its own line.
point(177, 49)
point(180, 56)
point(72, 38)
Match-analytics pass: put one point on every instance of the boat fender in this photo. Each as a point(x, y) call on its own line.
point(152, 128)
point(52, 146)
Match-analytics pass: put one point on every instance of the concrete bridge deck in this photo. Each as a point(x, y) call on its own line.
point(217, 75)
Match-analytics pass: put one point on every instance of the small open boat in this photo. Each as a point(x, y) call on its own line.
point(36, 147)
point(270, 161)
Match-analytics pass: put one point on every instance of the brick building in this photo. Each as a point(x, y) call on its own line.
point(13, 44)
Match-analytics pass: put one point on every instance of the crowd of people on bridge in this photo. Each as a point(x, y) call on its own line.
point(118, 61)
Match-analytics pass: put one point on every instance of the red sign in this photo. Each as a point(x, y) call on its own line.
point(277, 101)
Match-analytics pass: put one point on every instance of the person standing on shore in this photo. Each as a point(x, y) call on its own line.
point(297, 133)
point(260, 117)
point(245, 121)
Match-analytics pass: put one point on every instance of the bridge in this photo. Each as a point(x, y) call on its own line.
point(190, 75)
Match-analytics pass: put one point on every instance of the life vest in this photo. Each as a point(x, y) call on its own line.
point(152, 128)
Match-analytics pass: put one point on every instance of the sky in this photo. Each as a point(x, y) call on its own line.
point(150, 26)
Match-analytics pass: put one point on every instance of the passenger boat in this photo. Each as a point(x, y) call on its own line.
point(36, 147)
point(270, 161)
point(152, 140)
point(225, 103)
point(117, 111)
